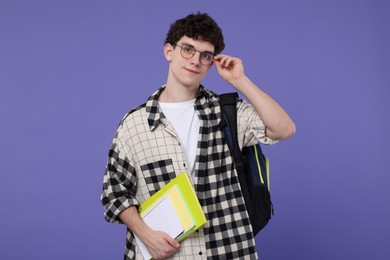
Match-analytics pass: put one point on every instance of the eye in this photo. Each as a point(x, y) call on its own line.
point(207, 56)
point(188, 49)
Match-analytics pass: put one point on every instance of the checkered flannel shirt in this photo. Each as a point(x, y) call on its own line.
point(146, 154)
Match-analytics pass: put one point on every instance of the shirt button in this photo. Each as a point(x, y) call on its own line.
point(200, 253)
point(184, 164)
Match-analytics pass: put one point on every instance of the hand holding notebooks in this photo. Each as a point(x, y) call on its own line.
point(169, 223)
point(181, 193)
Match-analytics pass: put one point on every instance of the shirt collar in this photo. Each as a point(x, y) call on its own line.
point(155, 115)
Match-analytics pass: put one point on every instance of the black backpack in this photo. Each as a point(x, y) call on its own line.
point(251, 165)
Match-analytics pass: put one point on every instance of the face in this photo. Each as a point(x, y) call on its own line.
point(187, 72)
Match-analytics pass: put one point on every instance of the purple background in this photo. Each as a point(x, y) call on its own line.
point(69, 70)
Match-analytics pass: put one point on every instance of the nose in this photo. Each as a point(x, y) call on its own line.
point(196, 58)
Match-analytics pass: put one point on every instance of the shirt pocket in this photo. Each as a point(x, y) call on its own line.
point(158, 174)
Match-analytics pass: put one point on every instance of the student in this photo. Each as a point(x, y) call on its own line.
point(177, 130)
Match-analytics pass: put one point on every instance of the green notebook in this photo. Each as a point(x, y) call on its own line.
point(182, 194)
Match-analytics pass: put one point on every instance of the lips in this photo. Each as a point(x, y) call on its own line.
point(192, 71)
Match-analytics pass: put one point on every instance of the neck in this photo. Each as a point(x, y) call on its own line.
point(175, 95)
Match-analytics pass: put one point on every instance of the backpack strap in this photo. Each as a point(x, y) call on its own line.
point(228, 102)
point(251, 166)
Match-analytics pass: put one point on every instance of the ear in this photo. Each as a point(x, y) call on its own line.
point(168, 49)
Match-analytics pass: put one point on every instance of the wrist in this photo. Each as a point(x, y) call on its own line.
point(240, 83)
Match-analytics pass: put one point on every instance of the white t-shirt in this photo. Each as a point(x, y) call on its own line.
point(186, 123)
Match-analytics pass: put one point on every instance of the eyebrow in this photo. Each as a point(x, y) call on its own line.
point(190, 45)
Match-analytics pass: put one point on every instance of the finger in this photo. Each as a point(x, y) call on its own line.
point(222, 62)
point(225, 60)
point(220, 58)
point(230, 61)
point(172, 242)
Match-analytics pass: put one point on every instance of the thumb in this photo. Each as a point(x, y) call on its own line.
point(173, 242)
point(218, 66)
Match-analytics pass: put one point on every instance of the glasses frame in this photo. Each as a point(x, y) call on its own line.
point(202, 53)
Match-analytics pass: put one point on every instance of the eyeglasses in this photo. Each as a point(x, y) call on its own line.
point(206, 58)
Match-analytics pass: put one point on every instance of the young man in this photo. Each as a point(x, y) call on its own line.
point(177, 130)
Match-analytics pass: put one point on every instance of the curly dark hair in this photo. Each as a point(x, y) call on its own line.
point(199, 26)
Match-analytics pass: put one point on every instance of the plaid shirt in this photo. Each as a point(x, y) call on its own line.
point(146, 154)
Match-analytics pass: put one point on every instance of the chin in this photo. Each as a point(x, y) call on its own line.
point(191, 84)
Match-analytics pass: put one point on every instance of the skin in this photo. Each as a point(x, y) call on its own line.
point(279, 125)
point(184, 77)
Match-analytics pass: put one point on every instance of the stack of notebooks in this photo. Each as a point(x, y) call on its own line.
point(174, 209)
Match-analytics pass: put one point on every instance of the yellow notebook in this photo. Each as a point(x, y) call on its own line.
point(182, 210)
point(182, 194)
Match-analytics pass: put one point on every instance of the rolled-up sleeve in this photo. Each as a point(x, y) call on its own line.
point(251, 129)
point(119, 184)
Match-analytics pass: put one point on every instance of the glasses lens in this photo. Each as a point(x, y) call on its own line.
point(206, 58)
point(187, 51)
